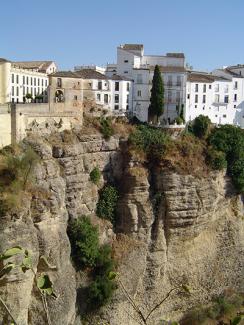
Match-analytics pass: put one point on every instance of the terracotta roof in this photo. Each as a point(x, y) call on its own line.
point(132, 47)
point(82, 74)
point(176, 55)
point(117, 77)
point(200, 77)
point(204, 77)
point(65, 74)
point(38, 65)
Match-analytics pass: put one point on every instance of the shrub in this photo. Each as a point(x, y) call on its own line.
point(201, 126)
point(216, 159)
point(95, 175)
point(100, 291)
point(179, 120)
point(107, 202)
point(150, 140)
point(104, 262)
point(84, 242)
point(106, 128)
point(230, 140)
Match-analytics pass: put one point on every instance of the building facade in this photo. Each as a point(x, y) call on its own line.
point(132, 63)
point(219, 95)
point(93, 89)
point(22, 82)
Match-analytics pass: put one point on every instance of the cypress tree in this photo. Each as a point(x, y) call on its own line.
point(156, 107)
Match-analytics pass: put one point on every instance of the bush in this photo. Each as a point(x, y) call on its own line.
point(201, 126)
point(100, 291)
point(106, 128)
point(104, 262)
point(84, 242)
point(95, 175)
point(179, 120)
point(150, 140)
point(230, 140)
point(216, 159)
point(107, 202)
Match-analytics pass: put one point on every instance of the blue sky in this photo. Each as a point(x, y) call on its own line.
point(73, 32)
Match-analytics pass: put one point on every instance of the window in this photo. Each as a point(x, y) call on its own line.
point(139, 93)
point(75, 97)
point(226, 100)
point(170, 81)
point(216, 98)
point(126, 61)
point(204, 99)
point(116, 98)
point(188, 96)
point(195, 106)
point(12, 90)
point(170, 96)
point(27, 80)
point(23, 80)
point(106, 98)
point(196, 88)
point(226, 88)
point(128, 86)
point(178, 81)
point(42, 82)
point(46, 83)
point(127, 107)
point(178, 96)
point(34, 81)
point(99, 85)
point(127, 99)
point(125, 71)
point(210, 86)
point(17, 91)
point(204, 88)
point(12, 78)
point(116, 107)
point(217, 88)
point(139, 78)
point(23, 90)
point(234, 106)
point(116, 86)
point(224, 115)
point(196, 98)
point(17, 78)
point(99, 97)
point(236, 85)
point(38, 82)
point(59, 82)
point(235, 97)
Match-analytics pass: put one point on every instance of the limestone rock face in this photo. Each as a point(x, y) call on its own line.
point(175, 229)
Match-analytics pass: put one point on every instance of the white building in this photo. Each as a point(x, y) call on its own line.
point(20, 80)
point(132, 63)
point(219, 95)
point(110, 93)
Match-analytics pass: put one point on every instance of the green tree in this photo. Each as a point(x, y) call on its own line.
point(201, 126)
point(156, 107)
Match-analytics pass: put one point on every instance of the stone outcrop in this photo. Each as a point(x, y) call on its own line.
point(177, 229)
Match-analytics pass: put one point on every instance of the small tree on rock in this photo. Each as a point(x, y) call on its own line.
point(156, 107)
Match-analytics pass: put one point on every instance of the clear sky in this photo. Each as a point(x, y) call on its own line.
point(73, 32)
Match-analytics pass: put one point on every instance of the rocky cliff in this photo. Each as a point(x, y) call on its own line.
point(170, 229)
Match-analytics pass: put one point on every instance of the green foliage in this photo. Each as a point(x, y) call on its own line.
point(156, 107)
point(104, 262)
point(16, 168)
point(95, 175)
point(230, 140)
point(107, 202)
point(201, 126)
point(84, 242)
point(106, 128)
point(100, 291)
point(150, 140)
point(216, 159)
point(179, 120)
point(45, 285)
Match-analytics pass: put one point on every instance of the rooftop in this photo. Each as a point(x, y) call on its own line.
point(176, 55)
point(132, 47)
point(82, 74)
point(33, 65)
point(198, 76)
point(117, 77)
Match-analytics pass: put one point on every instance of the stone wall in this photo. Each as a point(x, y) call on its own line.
point(5, 125)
